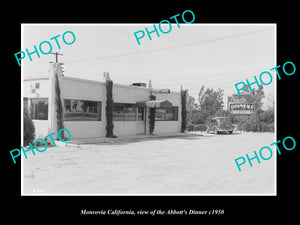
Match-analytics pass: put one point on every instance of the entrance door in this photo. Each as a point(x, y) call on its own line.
point(140, 123)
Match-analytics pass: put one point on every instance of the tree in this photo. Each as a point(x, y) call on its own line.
point(210, 101)
point(220, 112)
point(191, 104)
point(255, 96)
point(59, 108)
point(192, 109)
point(267, 120)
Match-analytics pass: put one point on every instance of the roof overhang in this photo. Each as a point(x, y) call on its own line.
point(155, 104)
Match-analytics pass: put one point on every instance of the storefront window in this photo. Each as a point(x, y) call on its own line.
point(124, 112)
point(39, 108)
point(81, 110)
point(166, 114)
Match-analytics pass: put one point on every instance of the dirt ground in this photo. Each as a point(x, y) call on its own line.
point(193, 165)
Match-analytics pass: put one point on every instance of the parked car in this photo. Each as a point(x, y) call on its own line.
point(219, 125)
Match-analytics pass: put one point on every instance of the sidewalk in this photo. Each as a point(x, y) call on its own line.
point(84, 141)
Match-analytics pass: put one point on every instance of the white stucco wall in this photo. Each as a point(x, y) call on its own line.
point(41, 128)
point(124, 128)
point(73, 88)
point(130, 94)
point(90, 90)
point(30, 91)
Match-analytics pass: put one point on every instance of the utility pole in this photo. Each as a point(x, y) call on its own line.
point(56, 54)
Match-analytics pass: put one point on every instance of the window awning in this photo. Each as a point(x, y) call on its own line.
point(155, 104)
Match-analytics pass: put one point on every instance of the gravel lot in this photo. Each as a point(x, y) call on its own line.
point(180, 165)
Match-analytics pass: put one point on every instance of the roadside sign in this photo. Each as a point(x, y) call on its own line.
point(161, 91)
point(241, 108)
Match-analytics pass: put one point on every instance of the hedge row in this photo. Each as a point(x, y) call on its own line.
point(196, 127)
point(249, 126)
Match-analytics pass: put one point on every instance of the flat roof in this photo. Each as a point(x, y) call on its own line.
point(94, 81)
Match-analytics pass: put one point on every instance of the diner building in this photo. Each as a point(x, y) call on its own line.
point(80, 106)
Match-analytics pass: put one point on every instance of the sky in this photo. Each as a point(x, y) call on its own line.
point(213, 55)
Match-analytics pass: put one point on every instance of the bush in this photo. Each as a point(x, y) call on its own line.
point(247, 125)
point(183, 111)
point(196, 127)
point(109, 109)
point(29, 130)
point(190, 127)
point(267, 127)
point(59, 108)
point(264, 124)
point(200, 127)
point(152, 113)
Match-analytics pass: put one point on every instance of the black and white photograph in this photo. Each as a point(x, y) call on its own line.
point(157, 116)
point(139, 112)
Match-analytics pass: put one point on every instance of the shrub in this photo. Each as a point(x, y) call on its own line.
point(109, 109)
point(152, 113)
point(267, 127)
point(183, 112)
point(265, 123)
point(29, 130)
point(200, 127)
point(190, 127)
point(247, 125)
point(196, 127)
point(59, 108)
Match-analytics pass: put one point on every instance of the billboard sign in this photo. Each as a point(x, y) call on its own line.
point(161, 91)
point(241, 108)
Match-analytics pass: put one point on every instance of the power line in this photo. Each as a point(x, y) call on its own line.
point(168, 48)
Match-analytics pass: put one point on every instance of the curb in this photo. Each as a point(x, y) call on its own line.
point(127, 138)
